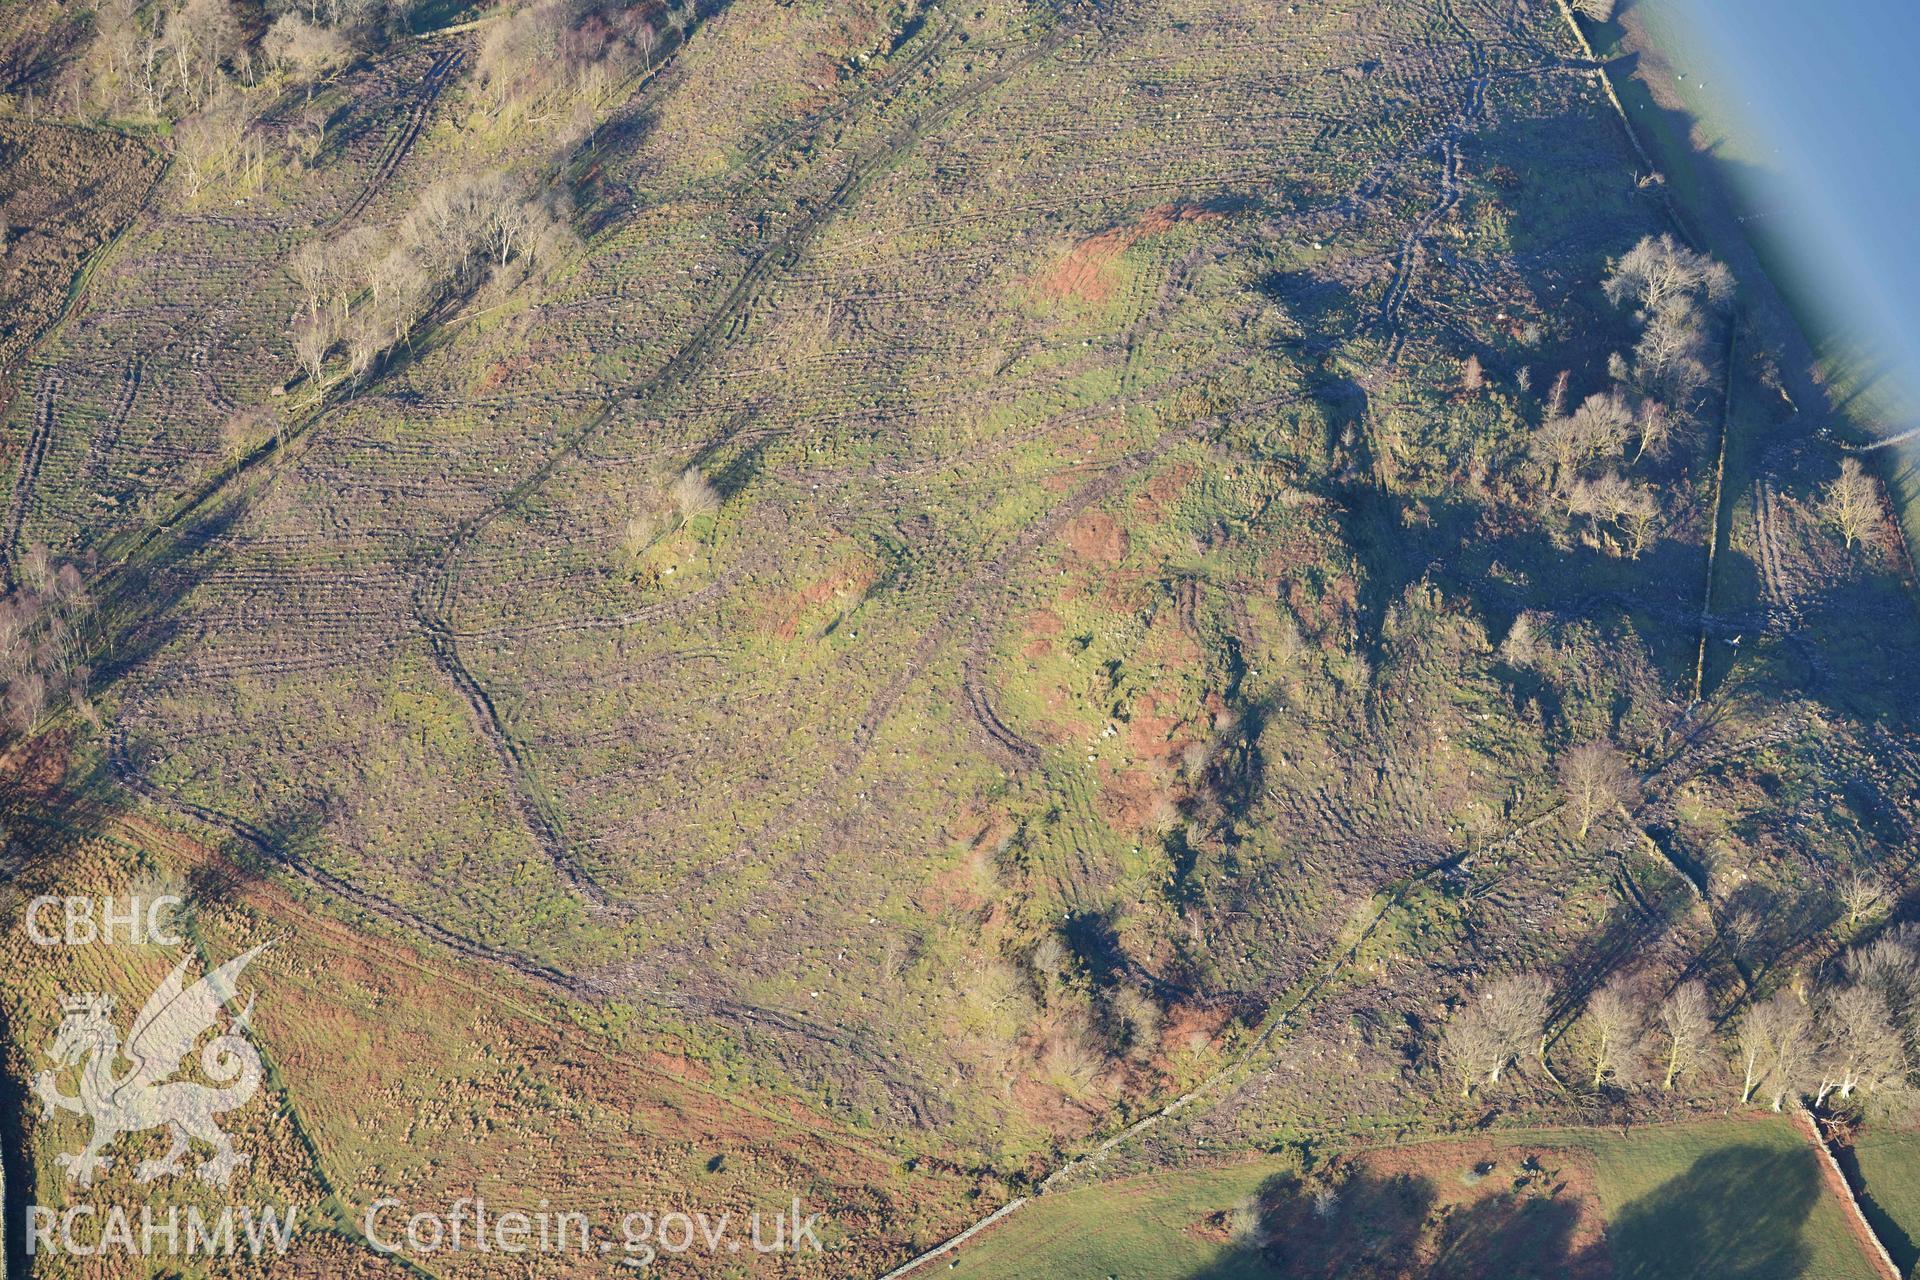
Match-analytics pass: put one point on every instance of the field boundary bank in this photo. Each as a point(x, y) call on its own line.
point(1836, 1179)
point(1719, 504)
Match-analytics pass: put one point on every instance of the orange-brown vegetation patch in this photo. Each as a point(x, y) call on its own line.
point(1188, 1028)
point(1133, 800)
point(33, 768)
point(1086, 273)
point(1097, 538)
point(1154, 733)
point(1163, 488)
point(1043, 626)
point(501, 371)
point(959, 887)
point(847, 580)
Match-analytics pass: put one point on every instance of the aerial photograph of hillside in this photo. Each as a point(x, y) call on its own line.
point(863, 639)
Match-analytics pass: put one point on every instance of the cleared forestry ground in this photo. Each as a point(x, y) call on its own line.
point(1111, 599)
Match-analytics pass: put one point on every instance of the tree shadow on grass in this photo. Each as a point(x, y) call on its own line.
point(1394, 1226)
point(1736, 1214)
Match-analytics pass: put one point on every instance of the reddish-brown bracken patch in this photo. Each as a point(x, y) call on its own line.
point(1160, 490)
point(1097, 538)
point(1086, 273)
point(1129, 799)
point(847, 579)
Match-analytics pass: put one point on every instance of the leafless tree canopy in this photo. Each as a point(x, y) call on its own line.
point(1659, 270)
point(1686, 1031)
point(1501, 1022)
point(1594, 778)
point(368, 288)
point(41, 652)
point(1612, 1033)
point(1852, 502)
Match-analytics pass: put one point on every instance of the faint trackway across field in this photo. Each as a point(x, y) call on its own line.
point(1412, 254)
point(275, 853)
point(107, 435)
point(434, 596)
point(36, 453)
point(432, 85)
point(1683, 760)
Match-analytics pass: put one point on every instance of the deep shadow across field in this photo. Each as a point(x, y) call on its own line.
point(1666, 1203)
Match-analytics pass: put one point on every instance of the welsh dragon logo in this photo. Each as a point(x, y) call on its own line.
point(144, 1096)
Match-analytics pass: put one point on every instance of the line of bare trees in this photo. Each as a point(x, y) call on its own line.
point(210, 65)
point(365, 290)
point(1852, 1037)
point(172, 59)
point(1586, 455)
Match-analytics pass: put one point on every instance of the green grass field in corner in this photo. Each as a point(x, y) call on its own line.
point(1729, 1200)
point(1890, 1166)
point(1737, 1199)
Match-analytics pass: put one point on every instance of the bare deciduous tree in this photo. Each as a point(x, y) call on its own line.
point(1612, 1032)
point(1858, 1046)
point(1471, 1049)
point(210, 145)
point(1686, 1031)
point(307, 50)
point(201, 35)
point(553, 49)
point(693, 496)
point(1518, 1008)
point(1775, 1047)
point(1660, 268)
point(1860, 893)
point(1472, 376)
point(1496, 1025)
point(1669, 359)
point(312, 340)
point(1851, 502)
point(1594, 778)
point(1890, 965)
point(1599, 428)
point(1639, 518)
